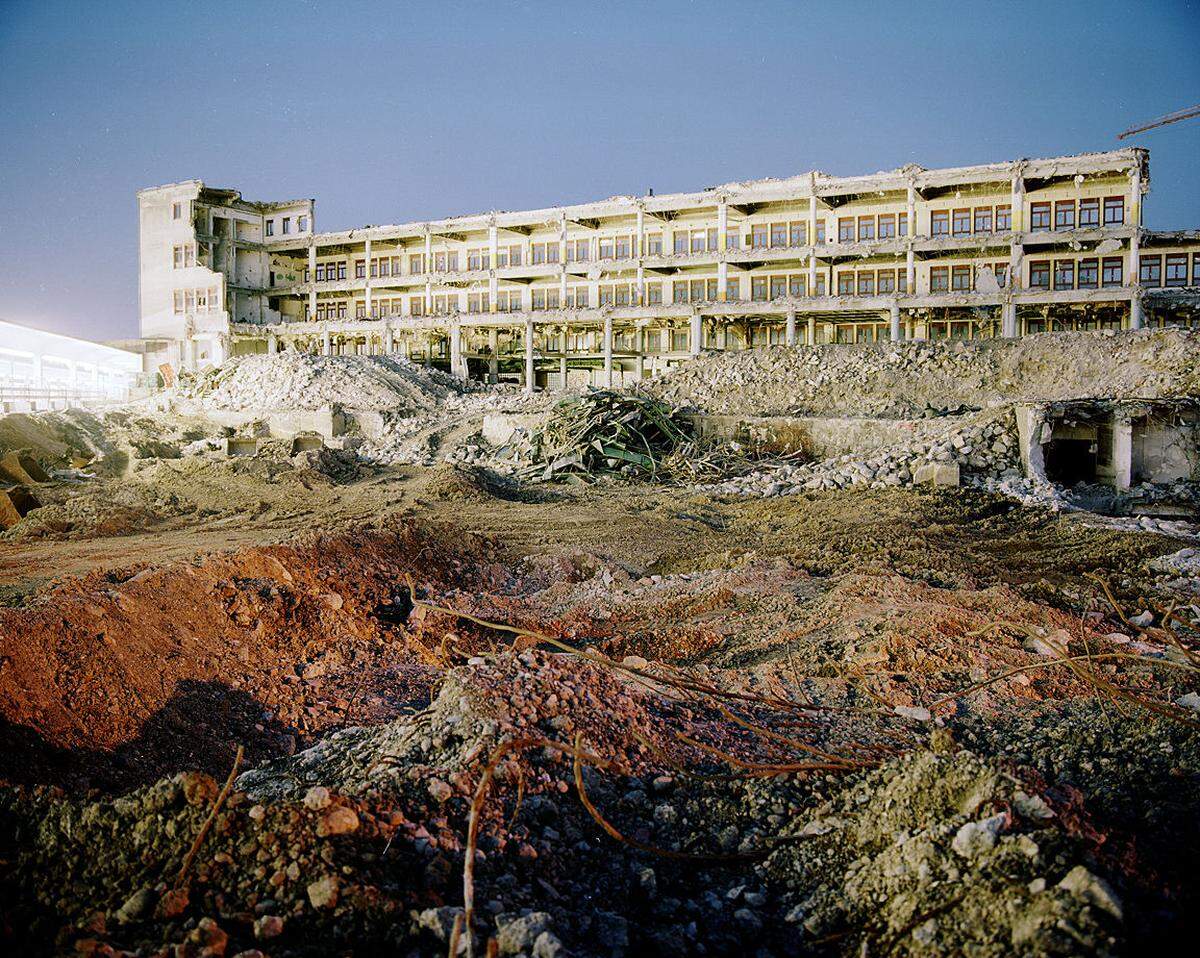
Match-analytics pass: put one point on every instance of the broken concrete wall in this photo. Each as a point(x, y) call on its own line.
point(818, 436)
point(1166, 449)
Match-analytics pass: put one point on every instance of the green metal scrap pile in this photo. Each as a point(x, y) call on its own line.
point(606, 432)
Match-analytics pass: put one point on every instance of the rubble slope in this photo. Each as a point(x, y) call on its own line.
point(903, 379)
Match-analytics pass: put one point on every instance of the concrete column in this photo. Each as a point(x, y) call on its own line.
point(722, 233)
point(895, 318)
point(272, 346)
point(428, 270)
point(910, 271)
point(458, 362)
point(812, 330)
point(1008, 320)
point(639, 298)
point(493, 355)
point(1016, 249)
point(1017, 201)
point(1135, 196)
point(312, 278)
point(389, 340)
point(911, 210)
point(1136, 314)
point(1122, 452)
point(493, 282)
point(812, 274)
point(326, 343)
point(367, 277)
point(790, 334)
point(562, 261)
point(696, 338)
point(529, 369)
point(641, 352)
point(608, 350)
point(812, 215)
point(1135, 249)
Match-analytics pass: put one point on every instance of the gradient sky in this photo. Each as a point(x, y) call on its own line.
point(387, 111)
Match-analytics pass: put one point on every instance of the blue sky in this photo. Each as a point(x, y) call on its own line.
point(386, 112)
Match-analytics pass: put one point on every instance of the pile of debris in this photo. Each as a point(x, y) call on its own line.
point(292, 380)
point(601, 432)
point(906, 380)
point(979, 447)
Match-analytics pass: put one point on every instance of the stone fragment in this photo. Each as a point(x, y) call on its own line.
point(323, 893)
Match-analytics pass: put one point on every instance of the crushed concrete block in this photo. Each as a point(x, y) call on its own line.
point(937, 474)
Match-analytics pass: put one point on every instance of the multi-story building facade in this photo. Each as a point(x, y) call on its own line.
point(610, 290)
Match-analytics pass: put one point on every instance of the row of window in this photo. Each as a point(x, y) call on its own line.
point(1069, 214)
point(868, 282)
point(1089, 273)
point(285, 225)
point(883, 226)
point(1059, 215)
point(961, 279)
point(1170, 269)
point(977, 220)
point(197, 300)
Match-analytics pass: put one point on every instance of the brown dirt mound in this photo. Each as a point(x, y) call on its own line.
point(116, 678)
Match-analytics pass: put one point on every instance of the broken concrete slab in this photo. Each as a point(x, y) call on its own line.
point(306, 443)
point(937, 474)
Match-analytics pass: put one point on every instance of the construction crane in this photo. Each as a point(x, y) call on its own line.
point(1175, 117)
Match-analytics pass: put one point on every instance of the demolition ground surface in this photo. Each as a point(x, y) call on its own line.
point(297, 705)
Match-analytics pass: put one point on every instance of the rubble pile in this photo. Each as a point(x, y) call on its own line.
point(979, 447)
point(449, 432)
point(602, 431)
point(905, 380)
point(292, 380)
point(945, 854)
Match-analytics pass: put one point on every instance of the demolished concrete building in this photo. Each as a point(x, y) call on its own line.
point(608, 292)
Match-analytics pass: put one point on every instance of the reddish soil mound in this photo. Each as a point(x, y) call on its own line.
point(118, 678)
